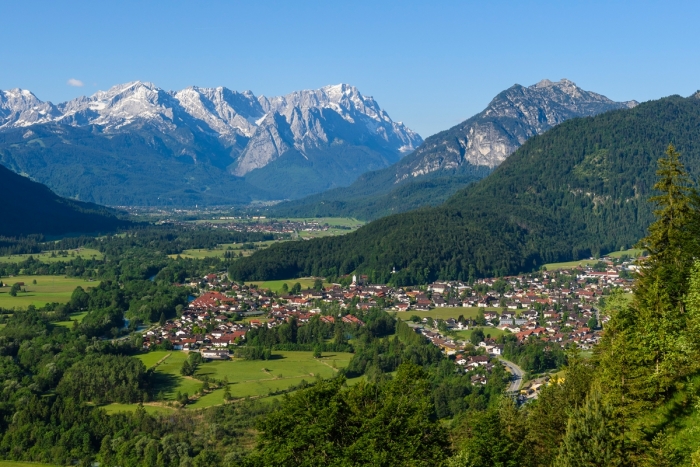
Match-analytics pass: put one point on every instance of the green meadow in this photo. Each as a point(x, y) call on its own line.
point(75, 317)
point(220, 250)
point(151, 409)
point(276, 286)
point(247, 378)
point(48, 289)
point(54, 256)
point(444, 313)
point(633, 252)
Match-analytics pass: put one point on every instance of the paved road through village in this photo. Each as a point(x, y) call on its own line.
point(517, 373)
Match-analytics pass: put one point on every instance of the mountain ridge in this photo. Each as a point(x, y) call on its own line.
point(462, 154)
point(235, 132)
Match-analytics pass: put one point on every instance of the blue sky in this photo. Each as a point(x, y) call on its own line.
point(429, 64)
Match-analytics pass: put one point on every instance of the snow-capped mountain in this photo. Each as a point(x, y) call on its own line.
point(19, 107)
point(286, 146)
point(235, 118)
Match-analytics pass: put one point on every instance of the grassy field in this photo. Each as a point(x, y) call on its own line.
point(45, 257)
point(633, 252)
point(488, 332)
point(220, 250)
point(247, 378)
point(444, 313)
point(48, 289)
point(167, 376)
point(73, 317)
point(151, 409)
point(276, 286)
point(151, 358)
point(250, 378)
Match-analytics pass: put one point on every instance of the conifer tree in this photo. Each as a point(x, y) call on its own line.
point(591, 438)
point(672, 241)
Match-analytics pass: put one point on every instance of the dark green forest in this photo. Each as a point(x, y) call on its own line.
point(31, 208)
point(576, 191)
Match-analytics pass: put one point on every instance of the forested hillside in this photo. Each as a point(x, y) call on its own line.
point(374, 194)
point(28, 207)
point(578, 190)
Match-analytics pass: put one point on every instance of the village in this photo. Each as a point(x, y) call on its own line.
point(560, 308)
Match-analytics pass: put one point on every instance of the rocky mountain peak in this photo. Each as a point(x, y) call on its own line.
point(255, 131)
point(512, 117)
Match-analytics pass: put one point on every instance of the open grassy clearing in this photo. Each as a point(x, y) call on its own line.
point(48, 289)
point(46, 256)
point(285, 364)
point(73, 318)
point(633, 252)
point(444, 313)
point(257, 378)
point(151, 358)
point(151, 409)
point(167, 376)
point(488, 332)
point(220, 250)
point(276, 286)
point(247, 378)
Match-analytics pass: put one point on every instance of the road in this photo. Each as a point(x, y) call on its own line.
point(517, 373)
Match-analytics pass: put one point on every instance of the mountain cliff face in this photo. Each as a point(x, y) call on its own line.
point(327, 136)
point(466, 152)
point(511, 118)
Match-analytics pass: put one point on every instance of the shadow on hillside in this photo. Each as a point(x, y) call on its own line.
point(164, 382)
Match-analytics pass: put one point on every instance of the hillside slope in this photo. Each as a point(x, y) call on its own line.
point(577, 190)
point(451, 159)
point(31, 208)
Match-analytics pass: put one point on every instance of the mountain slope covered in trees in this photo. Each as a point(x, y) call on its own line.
point(31, 208)
point(578, 190)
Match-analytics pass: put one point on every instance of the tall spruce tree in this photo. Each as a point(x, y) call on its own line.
point(672, 241)
point(591, 439)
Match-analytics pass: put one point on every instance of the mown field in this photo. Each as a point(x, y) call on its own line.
point(53, 256)
point(48, 289)
point(633, 252)
point(444, 313)
point(220, 250)
point(151, 409)
point(73, 318)
point(247, 378)
point(276, 286)
point(488, 332)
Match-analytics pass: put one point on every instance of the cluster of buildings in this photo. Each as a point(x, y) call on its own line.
point(558, 307)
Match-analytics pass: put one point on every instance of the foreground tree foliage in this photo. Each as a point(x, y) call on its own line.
point(382, 425)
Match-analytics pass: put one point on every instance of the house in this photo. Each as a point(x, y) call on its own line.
point(215, 354)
